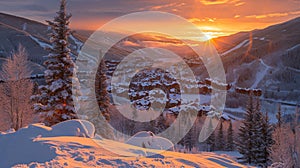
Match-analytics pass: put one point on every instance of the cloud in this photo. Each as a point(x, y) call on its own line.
point(219, 2)
point(295, 13)
point(270, 15)
point(197, 20)
point(239, 4)
point(171, 5)
point(194, 20)
point(237, 16)
point(91, 14)
point(213, 2)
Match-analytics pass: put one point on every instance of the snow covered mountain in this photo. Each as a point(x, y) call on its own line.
point(32, 35)
point(266, 59)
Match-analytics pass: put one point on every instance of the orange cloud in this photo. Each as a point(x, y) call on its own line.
point(239, 4)
point(167, 6)
point(278, 14)
point(213, 2)
point(194, 20)
point(218, 2)
point(130, 43)
point(197, 20)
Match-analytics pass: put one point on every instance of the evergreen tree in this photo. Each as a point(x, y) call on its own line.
point(258, 139)
point(55, 101)
point(229, 137)
point(220, 138)
point(244, 143)
point(101, 91)
point(255, 136)
point(267, 142)
point(211, 139)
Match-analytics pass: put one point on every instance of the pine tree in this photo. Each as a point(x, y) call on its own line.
point(211, 139)
point(258, 139)
point(229, 137)
point(255, 136)
point(54, 101)
point(101, 91)
point(220, 138)
point(267, 142)
point(244, 144)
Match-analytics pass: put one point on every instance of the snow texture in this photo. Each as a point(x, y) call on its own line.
point(41, 44)
point(243, 43)
point(37, 146)
point(148, 140)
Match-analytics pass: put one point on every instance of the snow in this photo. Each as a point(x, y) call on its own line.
point(148, 140)
point(41, 44)
point(294, 69)
point(243, 43)
point(24, 27)
point(29, 147)
point(56, 85)
point(294, 47)
point(79, 128)
point(260, 74)
point(78, 43)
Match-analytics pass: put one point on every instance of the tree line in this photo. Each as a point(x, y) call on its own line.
point(257, 140)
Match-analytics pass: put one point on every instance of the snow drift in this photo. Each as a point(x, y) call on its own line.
point(69, 144)
point(147, 139)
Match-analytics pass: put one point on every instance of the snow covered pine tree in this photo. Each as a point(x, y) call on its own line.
point(244, 143)
point(211, 139)
point(220, 137)
point(229, 138)
point(255, 136)
point(54, 101)
point(101, 91)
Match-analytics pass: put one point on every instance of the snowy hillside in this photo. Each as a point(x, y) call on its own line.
point(67, 145)
point(264, 59)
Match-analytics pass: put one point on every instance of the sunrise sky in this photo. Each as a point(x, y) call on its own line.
point(213, 17)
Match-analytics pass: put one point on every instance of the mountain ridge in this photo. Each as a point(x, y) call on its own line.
point(264, 59)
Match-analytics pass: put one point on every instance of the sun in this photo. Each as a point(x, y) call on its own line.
point(208, 35)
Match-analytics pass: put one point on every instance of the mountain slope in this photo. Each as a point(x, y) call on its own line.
point(267, 59)
point(32, 35)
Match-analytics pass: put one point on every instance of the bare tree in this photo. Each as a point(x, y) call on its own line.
point(285, 149)
point(15, 90)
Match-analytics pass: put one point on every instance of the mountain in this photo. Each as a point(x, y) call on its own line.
point(32, 35)
point(266, 59)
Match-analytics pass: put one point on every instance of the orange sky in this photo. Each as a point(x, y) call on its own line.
point(214, 17)
point(222, 17)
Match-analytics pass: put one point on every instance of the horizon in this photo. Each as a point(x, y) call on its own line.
point(140, 83)
point(207, 37)
point(233, 16)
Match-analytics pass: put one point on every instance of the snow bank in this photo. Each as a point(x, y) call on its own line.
point(147, 139)
point(19, 147)
point(41, 146)
point(79, 128)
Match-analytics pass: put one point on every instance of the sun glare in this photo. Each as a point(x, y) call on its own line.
point(208, 35)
